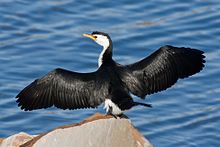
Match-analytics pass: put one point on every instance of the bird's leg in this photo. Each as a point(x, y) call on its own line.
point(109, 112)
point(122, 115)
point(115, 116)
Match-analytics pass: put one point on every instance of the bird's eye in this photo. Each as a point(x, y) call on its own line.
point(95, 37)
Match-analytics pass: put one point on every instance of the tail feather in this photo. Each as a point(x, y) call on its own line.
point(142, 104)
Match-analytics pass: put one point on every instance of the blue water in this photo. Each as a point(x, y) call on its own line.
point(38, 36)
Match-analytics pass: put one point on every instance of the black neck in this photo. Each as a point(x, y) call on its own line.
point(107, 56)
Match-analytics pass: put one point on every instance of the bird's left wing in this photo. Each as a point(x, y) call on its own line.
point(64, 89)
point(161, 69)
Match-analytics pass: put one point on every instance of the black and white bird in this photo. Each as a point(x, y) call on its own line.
point(112, 83)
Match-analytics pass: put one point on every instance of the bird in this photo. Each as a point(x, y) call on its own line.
point(112, 84)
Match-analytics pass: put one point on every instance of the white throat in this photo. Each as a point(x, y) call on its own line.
point(101, 55)
point(104, 42)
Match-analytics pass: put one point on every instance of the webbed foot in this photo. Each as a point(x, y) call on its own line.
point(109, 113)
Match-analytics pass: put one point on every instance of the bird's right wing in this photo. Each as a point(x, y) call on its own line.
point(64, 89)
point(162, 69)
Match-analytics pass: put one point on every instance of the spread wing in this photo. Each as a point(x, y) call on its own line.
point(64, 89)
point(162, 69)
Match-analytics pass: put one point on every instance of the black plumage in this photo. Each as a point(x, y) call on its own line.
point(65, 89)
point(162, 69)
point(71, 90)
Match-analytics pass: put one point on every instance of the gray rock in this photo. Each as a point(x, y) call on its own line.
point(96, 131)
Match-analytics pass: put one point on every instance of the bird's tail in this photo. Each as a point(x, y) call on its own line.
point(142, 104)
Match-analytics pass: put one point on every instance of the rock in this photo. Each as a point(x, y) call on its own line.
point(16, 140)
point(1, 139)
point(97, 131)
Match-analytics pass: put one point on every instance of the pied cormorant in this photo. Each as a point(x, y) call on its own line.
point(112, 83)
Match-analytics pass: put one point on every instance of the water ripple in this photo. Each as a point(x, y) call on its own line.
point(38, 36)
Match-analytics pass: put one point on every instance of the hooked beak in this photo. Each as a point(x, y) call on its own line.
point(90, 36)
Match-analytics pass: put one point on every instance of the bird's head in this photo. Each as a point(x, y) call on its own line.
point(101, 38)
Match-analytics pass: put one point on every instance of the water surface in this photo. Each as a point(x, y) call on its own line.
point(38, 36)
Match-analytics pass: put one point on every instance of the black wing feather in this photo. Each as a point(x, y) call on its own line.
point(64, 89)
point(162, 69)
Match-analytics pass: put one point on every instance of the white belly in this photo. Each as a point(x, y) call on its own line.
point(115, 109)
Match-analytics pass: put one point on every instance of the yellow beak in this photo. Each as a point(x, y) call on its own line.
point(89, 36)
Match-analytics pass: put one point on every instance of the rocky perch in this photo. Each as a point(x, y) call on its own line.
point(96, 131)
